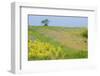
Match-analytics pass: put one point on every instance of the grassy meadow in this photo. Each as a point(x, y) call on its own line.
point(55, 42)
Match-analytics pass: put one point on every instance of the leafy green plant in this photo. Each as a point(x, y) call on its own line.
point(85, 34)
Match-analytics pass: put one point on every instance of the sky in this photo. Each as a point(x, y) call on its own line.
point(66, 21)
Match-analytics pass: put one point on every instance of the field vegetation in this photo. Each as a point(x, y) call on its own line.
point(55, 42)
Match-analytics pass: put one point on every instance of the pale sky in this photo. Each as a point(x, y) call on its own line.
point(67, 21)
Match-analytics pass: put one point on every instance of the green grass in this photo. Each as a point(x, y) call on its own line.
point(70, 40)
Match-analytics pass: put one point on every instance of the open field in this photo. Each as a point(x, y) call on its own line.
point(54, 42)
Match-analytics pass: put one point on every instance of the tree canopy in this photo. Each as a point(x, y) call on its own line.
point(45, 22)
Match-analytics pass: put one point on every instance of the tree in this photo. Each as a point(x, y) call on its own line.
point(45, 22)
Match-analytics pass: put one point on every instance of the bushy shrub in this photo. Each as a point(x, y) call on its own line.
point(85, 34)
